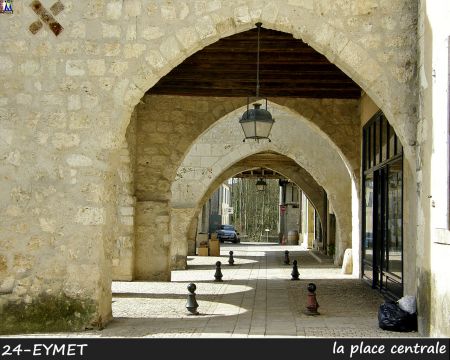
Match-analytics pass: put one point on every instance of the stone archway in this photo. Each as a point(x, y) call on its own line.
point(167, 128)
point(184, 213)
point(288, 168)
point(387, 79)
point(70, 99)
point(201, 172)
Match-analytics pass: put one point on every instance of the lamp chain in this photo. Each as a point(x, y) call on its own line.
point(257, 64)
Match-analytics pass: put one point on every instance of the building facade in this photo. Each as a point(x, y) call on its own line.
point(215, 211)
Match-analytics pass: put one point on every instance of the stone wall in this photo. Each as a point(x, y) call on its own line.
point(433, 236)
point(65, 104)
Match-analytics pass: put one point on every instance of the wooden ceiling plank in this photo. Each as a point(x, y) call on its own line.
point(288, 68)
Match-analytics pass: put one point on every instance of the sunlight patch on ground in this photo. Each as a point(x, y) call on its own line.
point(168, 308)
point(175, 288)
point(194, 261)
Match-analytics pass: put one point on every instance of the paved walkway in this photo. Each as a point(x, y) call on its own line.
point(257, 298)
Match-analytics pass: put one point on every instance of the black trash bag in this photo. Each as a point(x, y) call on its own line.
point(391, 317)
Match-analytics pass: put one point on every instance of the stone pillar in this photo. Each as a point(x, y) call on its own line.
point(310, 225)
point(280, 215)
point(331, 233)
point(181, 222)
point(292, 208)
point(304, 227)
point(300, 216)
point(191, 239)
point(152, 241)
point(324, 221)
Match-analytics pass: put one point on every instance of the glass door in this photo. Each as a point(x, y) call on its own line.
point(393, 240)
point(382, 231)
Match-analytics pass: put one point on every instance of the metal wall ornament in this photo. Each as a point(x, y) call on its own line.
point(46, 17)
point(257, 122)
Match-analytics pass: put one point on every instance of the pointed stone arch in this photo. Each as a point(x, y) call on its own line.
point(351, 46)
point(304, 144)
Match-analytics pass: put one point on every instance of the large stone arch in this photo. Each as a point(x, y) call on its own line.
point(167, 128)
point(382, 63)
point(213, 154)
point(66, 102)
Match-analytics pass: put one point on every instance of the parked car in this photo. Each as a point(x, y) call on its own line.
point(228, 233)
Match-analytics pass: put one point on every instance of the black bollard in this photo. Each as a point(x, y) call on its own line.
point(295, 274)
point(218, 275)
point(191, 303)
point(286, 258)
point(231, 259)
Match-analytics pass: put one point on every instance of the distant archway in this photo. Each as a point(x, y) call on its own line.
point(305, 145)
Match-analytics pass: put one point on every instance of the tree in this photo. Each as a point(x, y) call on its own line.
point(254, 211)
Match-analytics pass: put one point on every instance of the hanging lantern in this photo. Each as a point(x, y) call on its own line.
point(256, 123)
point(261, 185)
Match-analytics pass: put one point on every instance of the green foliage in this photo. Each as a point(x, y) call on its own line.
point(47, 314)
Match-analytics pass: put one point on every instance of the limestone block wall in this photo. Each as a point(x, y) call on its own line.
point(372, 41)
point(336, 118)
point(66, 101)
point(55, 247)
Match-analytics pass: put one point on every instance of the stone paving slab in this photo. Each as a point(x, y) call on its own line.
point(256, 299)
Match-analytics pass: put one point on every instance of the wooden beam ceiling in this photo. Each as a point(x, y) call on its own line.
point(259, 165)
point(288, 68)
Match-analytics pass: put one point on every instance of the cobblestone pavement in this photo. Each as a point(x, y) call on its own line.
point(257, 298)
